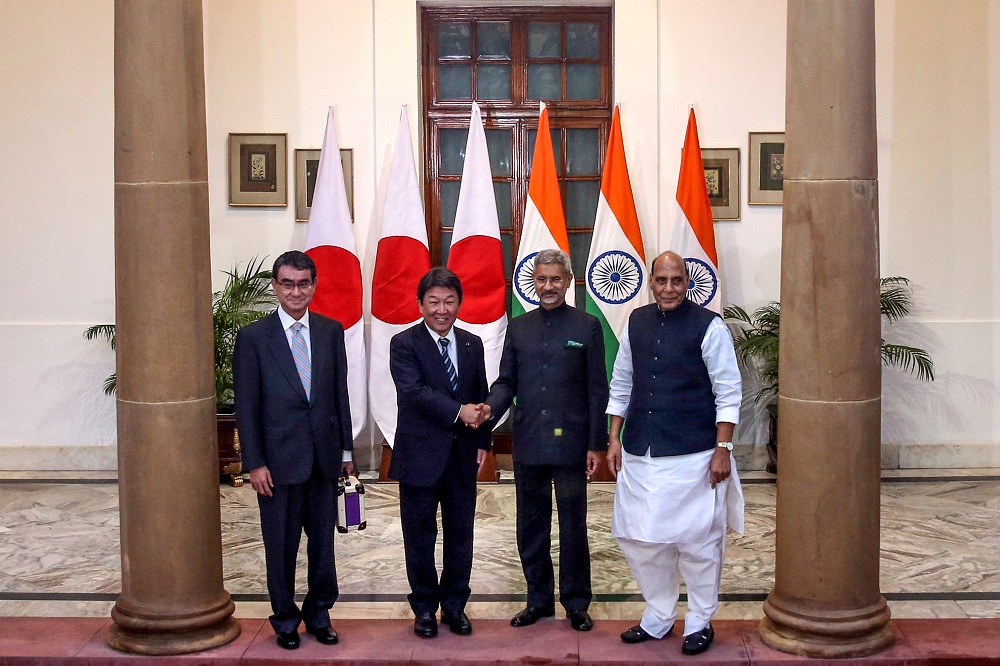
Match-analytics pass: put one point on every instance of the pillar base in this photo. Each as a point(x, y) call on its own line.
point(143, 634)
point(813, 632)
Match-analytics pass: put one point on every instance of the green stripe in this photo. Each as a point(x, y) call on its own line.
point(610, 339)
point(516, 309)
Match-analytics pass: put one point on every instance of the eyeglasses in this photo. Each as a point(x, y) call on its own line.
point(541, 280)
point(302, 285)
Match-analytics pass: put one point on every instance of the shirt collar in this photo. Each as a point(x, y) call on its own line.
point(451, 335)
point(287, 320)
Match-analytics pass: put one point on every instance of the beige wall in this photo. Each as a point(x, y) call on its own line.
point(275, 66)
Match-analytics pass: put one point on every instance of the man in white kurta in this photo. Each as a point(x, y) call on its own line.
point(676, 383)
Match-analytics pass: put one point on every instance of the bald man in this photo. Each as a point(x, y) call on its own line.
point(676, 383)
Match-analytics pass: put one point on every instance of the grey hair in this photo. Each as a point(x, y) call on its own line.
point(554, 257)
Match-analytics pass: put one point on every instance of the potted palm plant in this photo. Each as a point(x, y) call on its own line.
point(245, 297)
point(756, 343)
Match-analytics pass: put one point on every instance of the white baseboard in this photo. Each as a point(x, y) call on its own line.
point(58, 458)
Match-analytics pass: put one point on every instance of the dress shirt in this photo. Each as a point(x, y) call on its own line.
point(287, 321)
point(720, 359)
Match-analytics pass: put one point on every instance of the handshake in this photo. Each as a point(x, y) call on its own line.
point(475, 415)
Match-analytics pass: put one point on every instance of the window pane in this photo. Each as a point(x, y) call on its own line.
point(501, 191)
point(582, 152)
point(507, 242)
point(454, 39)
point(544, 82)
point(581, 202)
point(582, 40)
point(452, 151)
point(579, 249)
point(544, 40)
point(498, 145)
point(455, 81)
point(493, 82)
point(445, 247)
point(556, 148)
point(449, 201)
point(493, 39)
point(583, 81)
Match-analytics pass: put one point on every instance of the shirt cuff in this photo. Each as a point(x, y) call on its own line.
point(727, 415)
point(348, 456)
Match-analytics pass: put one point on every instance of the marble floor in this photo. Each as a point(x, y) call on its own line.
point(59, 550)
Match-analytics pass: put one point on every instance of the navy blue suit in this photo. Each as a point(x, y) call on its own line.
point(434, 460)
point(301, 441)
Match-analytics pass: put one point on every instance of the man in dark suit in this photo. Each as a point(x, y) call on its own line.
point(553, 363)
point(440, 377)
point(294, 420)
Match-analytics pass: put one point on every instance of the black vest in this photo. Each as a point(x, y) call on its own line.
point(672, 408)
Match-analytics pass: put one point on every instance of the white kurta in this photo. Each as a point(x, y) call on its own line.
point(670, 499)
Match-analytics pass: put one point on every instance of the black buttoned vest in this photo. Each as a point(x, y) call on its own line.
point(672, 408)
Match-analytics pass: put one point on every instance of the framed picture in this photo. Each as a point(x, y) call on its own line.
point(767, 167)
point(306, 168)
point(722, 176)
point(258, 169)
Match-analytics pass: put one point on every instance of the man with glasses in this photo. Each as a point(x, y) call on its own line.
point(294, 421)
point(553, 363)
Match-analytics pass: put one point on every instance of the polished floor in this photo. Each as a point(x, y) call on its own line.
point(59, 550)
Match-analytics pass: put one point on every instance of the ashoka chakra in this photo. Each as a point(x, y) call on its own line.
point(615, 277)
point(703, 284)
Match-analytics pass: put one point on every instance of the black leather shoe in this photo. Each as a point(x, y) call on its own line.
point(425, 625)
point(580, 620)
point(457, 624)
point(288, 640)
point(531, 615)
point(699, 641)
point(638, 635)
point(326, 635)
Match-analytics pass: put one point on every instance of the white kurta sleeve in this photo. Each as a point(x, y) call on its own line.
point(720, 358)
point(621, 379)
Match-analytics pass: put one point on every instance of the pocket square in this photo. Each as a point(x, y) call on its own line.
point(573, 344)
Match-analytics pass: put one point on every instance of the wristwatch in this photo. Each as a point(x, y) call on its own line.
point(725, 445)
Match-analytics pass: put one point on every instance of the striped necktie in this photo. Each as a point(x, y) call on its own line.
point(301, 355)
point(449, 367)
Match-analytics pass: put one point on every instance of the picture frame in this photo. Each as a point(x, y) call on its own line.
point(767, 164)
point(722, 177)
point(306, 168)
point(258, 169)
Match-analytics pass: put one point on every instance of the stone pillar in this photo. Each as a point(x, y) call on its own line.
point(826, 600)
point(172, 599)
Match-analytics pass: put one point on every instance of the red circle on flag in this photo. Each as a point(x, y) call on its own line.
point(338, 289)
point(478, 262)
point(400, 262)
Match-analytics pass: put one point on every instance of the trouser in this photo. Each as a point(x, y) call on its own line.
point(455, 491)
point(310, 506)
point(658, 569)
point(533, 484)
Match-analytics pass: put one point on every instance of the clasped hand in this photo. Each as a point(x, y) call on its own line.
point(475, 415)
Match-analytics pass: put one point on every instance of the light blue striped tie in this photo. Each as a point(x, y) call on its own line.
point(301, 355)
point(448, 365)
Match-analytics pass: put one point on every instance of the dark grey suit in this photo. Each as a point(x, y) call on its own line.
point(301, 441)
point(553, 363)
point(434, 460)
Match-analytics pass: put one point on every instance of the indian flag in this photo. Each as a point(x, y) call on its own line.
point(616, 269)
point(544, 223)
point(693, 235)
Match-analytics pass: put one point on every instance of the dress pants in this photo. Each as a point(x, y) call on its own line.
point(455, 492)
point(533, 485)
point(310, 506)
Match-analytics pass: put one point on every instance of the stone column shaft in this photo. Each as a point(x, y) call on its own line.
point(826, 599)
point(172, 599)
